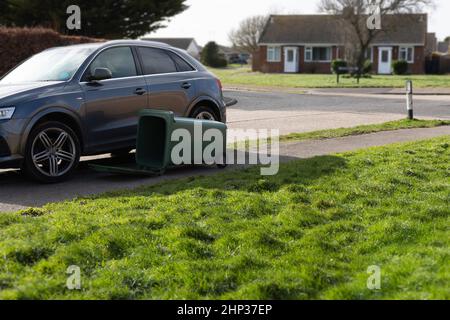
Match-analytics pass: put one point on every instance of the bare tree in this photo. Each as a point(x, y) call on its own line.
point(246, 36)
point(354, 15)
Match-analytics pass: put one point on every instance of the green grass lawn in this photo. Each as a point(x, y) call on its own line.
point(310, 232)
point(364, 129)
point(243, 76)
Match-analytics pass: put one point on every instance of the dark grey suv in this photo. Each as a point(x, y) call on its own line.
point(84, 100)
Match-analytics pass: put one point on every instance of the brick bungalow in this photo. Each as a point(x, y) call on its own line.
point(308, 44)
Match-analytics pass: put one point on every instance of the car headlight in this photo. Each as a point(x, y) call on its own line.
point(6, 113)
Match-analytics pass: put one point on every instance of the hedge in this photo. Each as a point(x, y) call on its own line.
point(400, 67)
point(18, 44)
point(336, 66)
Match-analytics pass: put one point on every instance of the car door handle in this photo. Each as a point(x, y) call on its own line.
point(140, 91)
point(186, 85)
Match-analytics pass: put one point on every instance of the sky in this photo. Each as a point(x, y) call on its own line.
point(207, 20)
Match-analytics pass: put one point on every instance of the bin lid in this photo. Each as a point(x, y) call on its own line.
point(166, 115)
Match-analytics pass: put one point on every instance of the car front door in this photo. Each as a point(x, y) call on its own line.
point(170, 80)
point(113, 105)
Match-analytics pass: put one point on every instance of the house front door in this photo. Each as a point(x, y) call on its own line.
point(385, 60)
point(291, 63)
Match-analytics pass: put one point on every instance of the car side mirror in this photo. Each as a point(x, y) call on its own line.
point(101, 74)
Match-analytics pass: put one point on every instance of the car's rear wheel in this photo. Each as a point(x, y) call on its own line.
point(205, 113)
point(52, 152)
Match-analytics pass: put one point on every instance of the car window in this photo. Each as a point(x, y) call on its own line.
point(182, 65)
point(58, 64)
point(119, 61)
point(156, 61)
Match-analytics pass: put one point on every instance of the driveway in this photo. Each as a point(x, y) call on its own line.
point(287, 112)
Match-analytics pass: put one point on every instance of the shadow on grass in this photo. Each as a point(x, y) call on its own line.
point(19, 191)
point(292, 171)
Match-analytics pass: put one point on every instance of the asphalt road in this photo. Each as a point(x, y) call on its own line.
point(309, 112)
point(283, 111)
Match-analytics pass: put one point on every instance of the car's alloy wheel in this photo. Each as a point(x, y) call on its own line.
point(205, 113)
point(53, 152)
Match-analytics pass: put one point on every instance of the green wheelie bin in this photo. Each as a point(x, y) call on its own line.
point(164, 141)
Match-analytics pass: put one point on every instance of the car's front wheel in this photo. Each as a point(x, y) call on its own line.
point(52, 152)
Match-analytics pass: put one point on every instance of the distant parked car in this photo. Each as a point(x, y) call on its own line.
point(237, 59)
point(84, 100)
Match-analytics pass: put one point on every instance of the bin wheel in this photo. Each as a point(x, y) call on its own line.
point(224, 165)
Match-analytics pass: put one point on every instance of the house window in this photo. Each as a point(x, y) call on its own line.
point(318, 54)
point(308, 54)
point(406, 54)
point(290, 56)
point(273, 54)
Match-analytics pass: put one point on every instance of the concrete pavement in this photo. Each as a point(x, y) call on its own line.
point(312, 148)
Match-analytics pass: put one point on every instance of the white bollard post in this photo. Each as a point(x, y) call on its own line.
point(409, 99)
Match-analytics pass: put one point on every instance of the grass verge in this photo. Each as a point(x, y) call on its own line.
point(245, 77)
point(365, 129)
point(311, 232)
point(352, 131)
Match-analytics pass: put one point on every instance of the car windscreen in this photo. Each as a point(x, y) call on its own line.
point(58, 64)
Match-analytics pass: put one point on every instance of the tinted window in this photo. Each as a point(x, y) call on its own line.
point(119, 61)
point(156, 61)
point(182, 65)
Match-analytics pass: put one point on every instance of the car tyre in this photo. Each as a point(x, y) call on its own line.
point(52, 153)
point(205, 113)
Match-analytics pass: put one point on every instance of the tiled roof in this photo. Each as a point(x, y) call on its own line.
point(327, 29)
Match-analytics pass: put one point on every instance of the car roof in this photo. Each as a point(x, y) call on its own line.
point(134, 43)
point(106, 44)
